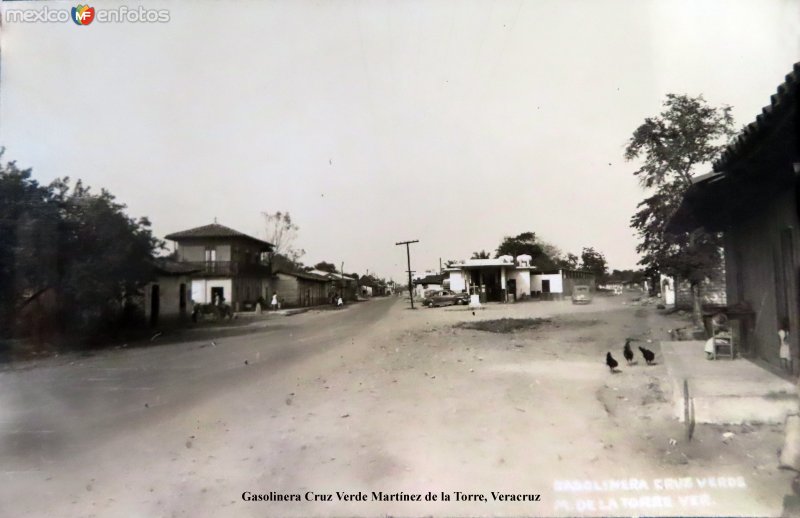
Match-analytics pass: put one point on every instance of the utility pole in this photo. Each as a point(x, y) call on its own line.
point(408, 256)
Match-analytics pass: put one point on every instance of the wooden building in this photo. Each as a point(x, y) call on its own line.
point(299, 289)
point(751, 196)
point(230, 265)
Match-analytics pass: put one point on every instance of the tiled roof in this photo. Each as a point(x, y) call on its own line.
point(301, 275)
point(170, 267)
point(780, 104)
point(214, 230)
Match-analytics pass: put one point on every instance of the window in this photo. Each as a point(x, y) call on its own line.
point(211, 255)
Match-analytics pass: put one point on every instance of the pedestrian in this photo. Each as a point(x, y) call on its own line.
point(274, 303)
point(785, 355)
point(339, 302)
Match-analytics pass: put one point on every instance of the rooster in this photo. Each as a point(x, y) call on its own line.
point(627, 351)
point(611, 362)
point(649, 355)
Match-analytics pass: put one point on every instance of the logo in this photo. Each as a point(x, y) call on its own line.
point(83, 14)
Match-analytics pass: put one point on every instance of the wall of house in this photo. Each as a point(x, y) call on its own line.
point(457, 282)
point(523, 278)
point(246, 290)
point(287, 289)
point(298, 292)
point(758, 272)
point(421, 289)
point(201, 290)
point(556, 285)
point(169, 290)
point(196, 251)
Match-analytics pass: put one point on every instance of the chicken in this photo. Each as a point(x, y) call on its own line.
point(627, 351)
point(649, 355)
point(611, 362)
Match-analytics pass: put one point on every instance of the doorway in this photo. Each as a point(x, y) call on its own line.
point(511, 289)
point(155, 304)
point(217, 295)
point(182, 299)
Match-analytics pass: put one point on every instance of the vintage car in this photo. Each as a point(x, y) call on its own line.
point(445, 297)
point(581, 295)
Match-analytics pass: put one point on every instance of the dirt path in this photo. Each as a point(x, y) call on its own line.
point(413, 405)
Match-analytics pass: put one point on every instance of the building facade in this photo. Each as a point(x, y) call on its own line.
point(751, 196)
point(299, 289)
point(507, 279)
point(230, 266)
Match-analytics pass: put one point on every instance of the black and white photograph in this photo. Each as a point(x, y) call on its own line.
point(408, 258)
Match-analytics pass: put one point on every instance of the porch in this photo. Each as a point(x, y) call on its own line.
point(726, 391)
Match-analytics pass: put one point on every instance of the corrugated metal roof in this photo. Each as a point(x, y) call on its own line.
point(780, 102)
point(302, 275)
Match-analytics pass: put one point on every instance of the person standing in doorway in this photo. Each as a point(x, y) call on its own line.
point(274, 303)
point(785, 353)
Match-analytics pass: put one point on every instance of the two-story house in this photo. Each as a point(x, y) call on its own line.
point(230, 265)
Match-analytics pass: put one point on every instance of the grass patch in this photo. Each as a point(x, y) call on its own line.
point(779, 395)
point(504, 325)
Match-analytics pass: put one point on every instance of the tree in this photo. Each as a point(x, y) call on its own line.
point(570, 262)
point(281, 231)
point(687, 134)
point(595, 262)
point(528, 243)
point(325, 267)
point(105, 256)
point(483, 254)
point(76, 244)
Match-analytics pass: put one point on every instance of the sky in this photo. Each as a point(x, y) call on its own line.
point(455, 123)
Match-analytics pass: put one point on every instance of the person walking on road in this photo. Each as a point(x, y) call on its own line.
point(274, 303)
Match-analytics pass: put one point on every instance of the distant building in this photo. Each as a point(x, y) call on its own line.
point(428, 283)
point(506, 279)
point(230, 265)
point(558, 284)
point(298, 288)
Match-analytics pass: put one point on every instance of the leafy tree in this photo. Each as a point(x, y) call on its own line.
point(595, 262)
point(105, 256)
point(528, 243)
point(483, 254)
point(325, 267)
point(686, 135)
point(29, 223)
point(570, 261)
point(79, 245)
point(281, 231)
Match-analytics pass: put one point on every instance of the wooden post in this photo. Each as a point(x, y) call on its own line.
point(408, 256)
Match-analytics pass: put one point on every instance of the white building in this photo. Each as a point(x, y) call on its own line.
point(506, 279)
point(500, 279)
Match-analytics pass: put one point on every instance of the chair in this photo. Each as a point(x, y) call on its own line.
point(723, 338)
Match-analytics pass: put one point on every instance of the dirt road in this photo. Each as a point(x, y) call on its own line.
point(378, 398)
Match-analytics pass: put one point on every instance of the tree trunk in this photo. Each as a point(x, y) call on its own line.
point(697, 311)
